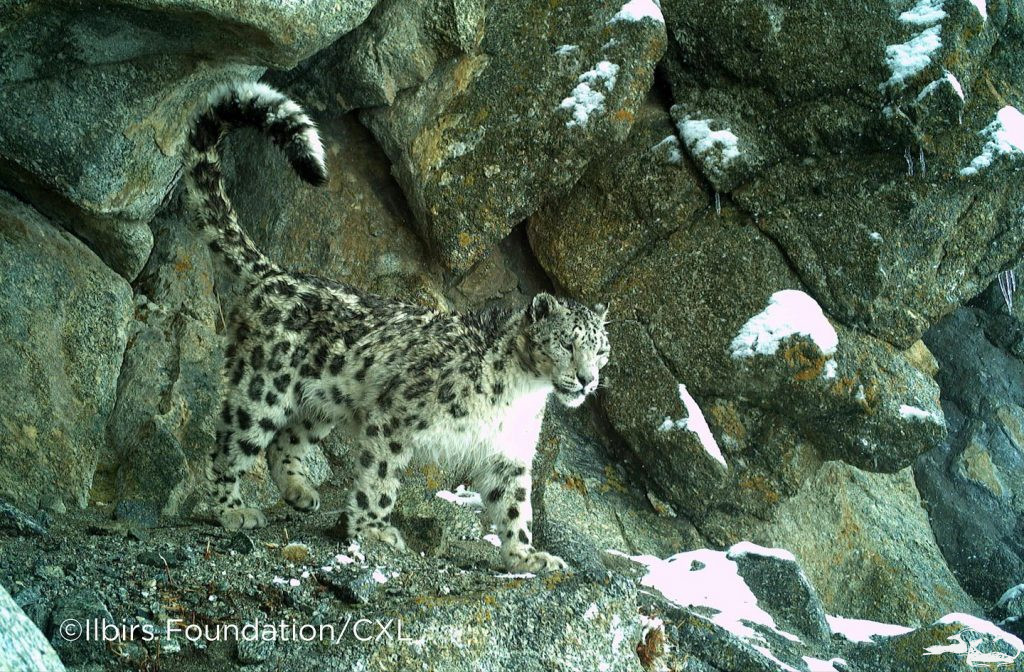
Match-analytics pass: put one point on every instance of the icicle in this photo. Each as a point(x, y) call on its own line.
point(920, 160)
point(718, 204)
point(1008, 285)
point(910, 161)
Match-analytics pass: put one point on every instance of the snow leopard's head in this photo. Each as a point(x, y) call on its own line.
point(566, 342)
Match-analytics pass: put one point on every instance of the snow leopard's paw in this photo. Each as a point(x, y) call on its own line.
point(386, 533)
point(536, 562)
point(242, 519)
point(301, 496)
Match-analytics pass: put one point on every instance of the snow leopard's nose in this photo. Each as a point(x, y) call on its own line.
point(586, 381)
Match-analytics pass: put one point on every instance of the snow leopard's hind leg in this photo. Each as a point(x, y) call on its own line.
point(286, 457)
point(239, 443)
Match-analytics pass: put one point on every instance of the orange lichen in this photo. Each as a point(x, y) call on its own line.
point(623, 115)
point(651, 648)
point(808, 366)
point(760, 487)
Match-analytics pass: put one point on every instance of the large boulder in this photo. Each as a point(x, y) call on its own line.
point(491, 133)
point(747, 385)
point(96, 99)
point(168, 392)
point(973, 483)
point(873, 155)
point(355, 229)
point(63, 328)
point(22, 645)
point(865, 542)
point(396, 48)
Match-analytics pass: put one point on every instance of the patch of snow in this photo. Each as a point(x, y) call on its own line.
point(875, 236)
point(915, 413)
point(924, 13)
point(696, 423)
point(766, 652)
point(907, 59)
point(831, 369)
point(1011, 594)
point(933, 86)
point(819, 665)
point(745, 548)
point(462, 497)
point(861, 630)
point(618, 634)
point(709, 579)
point(566, 49)
point(790, 312)
point(521, 575)
point(587, 99)
point(717, 149)
point(984, 627)
point(638, 10)
point(343, 559)
point(670, 146)
point(591, 612)
point(379, 576)
point(293, 583)
point(493, 540)
point(1005, 136)
point(980, 5)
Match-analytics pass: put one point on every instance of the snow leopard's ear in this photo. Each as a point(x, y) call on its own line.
point(542, 306)
point(601, 311)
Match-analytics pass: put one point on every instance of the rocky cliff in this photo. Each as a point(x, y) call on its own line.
point(804, 216)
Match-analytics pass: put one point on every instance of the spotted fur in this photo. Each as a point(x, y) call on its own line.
point(306, 355)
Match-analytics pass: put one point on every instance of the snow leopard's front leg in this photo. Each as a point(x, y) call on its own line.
point(505, 485)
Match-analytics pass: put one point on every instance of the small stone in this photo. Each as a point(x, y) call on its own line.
point(240, 542)
point(12, 518)
point(353, 588)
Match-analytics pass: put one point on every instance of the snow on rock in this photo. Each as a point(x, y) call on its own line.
point(949, 79)
point(638, 10)
point(462, 497)
point(861, 630)
point(790, 312)
point(1010, 595)
point(587, 98)
point(909, 58)
point(696, 423)
point(745, 548)
point(717, 150)
point(819, 665)
point(918, 414)
point(669, 148)
point(709, 579)
point(924, 13)
point(1005, 136)
point(566, 49)
point(984, 627)
point(980, 5)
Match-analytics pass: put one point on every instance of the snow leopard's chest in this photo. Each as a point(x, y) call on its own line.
point(510, 427)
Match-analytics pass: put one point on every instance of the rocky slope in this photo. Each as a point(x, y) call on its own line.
point(795, 210)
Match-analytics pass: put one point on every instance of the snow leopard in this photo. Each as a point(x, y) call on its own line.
point(305, 355)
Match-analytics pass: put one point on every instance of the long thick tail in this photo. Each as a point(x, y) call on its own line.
point(273, 113)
